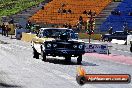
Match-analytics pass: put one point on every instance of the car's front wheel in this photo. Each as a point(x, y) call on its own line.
point(109, 40)
point(43, 56)
point(131, 48)
point(35, 53)
point(68, 58)
point(79, 59)
point(106, 39)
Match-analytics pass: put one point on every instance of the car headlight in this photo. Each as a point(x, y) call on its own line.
point(75, 46)
point(54, 45)
point(80, 46)
point(48, 45)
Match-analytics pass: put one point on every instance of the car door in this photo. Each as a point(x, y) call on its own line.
point(114, 35)
point(120, 36)
point(124, 36)
point(117, 35)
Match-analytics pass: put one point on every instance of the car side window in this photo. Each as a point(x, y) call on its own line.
point(72, 35)
point(122, 33)
point(125, 33)
point(114, 33)
point(46, 33)
point(40, 35)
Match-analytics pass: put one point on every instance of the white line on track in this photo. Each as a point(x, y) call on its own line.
point(71, 79)
point(121, 50)
point(13, 46)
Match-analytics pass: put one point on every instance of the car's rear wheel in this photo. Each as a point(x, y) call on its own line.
point(106, 39)
point(68, 58)
point(125, 42)
point(35, 53)
point(131, 48)
point(79, 59)
point(43, 56)
point(109, 40)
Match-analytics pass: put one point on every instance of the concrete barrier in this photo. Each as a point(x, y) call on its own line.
point(27, 37)
point(18, 32)
point(93, 36)
point(96, 48)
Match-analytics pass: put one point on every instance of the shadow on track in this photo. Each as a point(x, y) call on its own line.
point(73, 62)
point(9, 85)
point(3, 42)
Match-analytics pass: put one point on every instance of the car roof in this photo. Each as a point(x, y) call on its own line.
point(55, 28)
point(119, 31)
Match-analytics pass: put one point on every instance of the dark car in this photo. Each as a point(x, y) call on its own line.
point(119, 35)
point(58, 42)
point(131, 46)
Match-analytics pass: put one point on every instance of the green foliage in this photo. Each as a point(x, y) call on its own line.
point(10, 7)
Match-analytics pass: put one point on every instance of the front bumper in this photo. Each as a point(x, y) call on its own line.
point(131, 42)
point(64, 52)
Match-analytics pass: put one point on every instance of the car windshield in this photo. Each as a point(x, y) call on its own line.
point(120, 33)
point(55, 33)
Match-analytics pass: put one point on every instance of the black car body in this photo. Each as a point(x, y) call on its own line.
point(131, 46)
point(58, 42)
point(119, 35)
point(64, 48)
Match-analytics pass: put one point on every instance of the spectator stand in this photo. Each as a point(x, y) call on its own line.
point(52, 12)
point(119, 17)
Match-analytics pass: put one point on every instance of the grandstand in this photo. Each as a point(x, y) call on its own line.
point(117, 21)
point(49, 13)
point(52, 12)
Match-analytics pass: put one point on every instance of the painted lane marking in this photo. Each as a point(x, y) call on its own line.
point(121, 50)
point(117, 58)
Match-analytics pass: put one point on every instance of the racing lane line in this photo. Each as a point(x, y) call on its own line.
point(5, 47)
point(23, 47)
point(116, 58)
point(121, 50)
point(13, 46)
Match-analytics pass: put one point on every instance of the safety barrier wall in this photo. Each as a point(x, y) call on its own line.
point(50, 12)
point(86, 36)
point(96, 48)
point(27, 37)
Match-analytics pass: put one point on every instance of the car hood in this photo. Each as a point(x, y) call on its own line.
point(42, 40)
point(75, 40)
point(70, 40)
point(107, 34)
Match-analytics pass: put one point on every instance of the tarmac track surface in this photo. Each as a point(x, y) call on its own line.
point(19, 70)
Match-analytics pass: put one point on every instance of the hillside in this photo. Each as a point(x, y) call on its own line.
point(10, 7)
